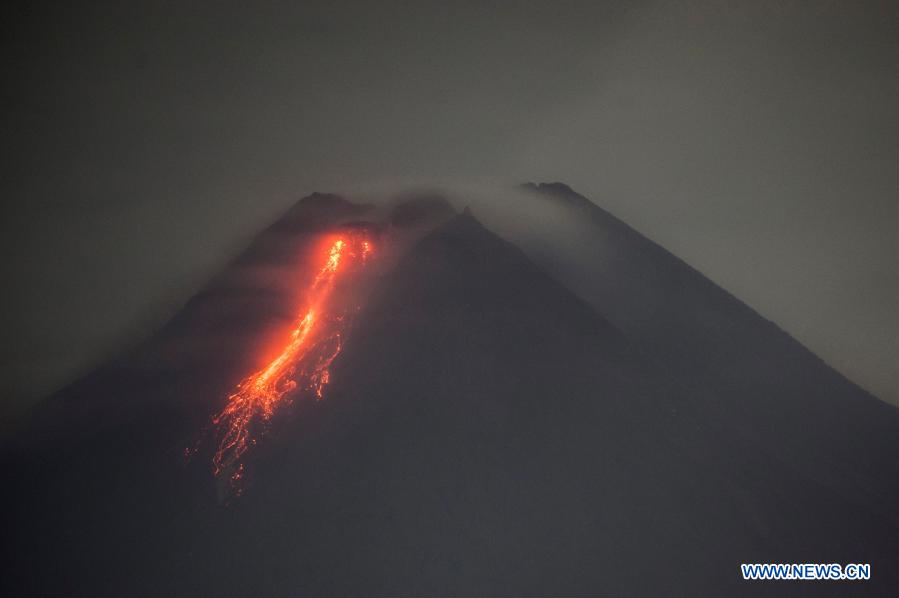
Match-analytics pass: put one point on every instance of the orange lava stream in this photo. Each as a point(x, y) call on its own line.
point(304, 363)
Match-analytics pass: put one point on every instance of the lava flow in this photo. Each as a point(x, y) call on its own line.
point(302, 365)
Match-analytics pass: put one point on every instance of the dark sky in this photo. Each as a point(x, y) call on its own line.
point(144, 141)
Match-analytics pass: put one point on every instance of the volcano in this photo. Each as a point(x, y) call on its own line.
point(458, 422)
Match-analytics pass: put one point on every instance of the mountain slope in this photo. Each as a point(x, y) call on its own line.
point(748, 376)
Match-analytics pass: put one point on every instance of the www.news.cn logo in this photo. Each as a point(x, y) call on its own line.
point(809, 571)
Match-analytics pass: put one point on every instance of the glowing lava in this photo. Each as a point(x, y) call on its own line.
point(302, 365)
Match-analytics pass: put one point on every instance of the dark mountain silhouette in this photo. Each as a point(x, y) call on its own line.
point(485, 432)
point(747, 376)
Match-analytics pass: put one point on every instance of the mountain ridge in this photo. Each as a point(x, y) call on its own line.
point(775, 391)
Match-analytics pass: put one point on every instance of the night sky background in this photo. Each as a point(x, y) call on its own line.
point(145, 142)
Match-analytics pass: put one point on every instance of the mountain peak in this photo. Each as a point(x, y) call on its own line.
point(562, 192)
point(318, 209)
point(556, 187)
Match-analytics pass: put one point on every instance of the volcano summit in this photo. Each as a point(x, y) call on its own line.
point(395, 401)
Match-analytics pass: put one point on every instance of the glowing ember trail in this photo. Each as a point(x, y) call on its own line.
point(303, 364)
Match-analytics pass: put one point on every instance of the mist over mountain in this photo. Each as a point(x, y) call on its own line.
point(490, 424)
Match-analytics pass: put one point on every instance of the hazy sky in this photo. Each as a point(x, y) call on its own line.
point(144, 141)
